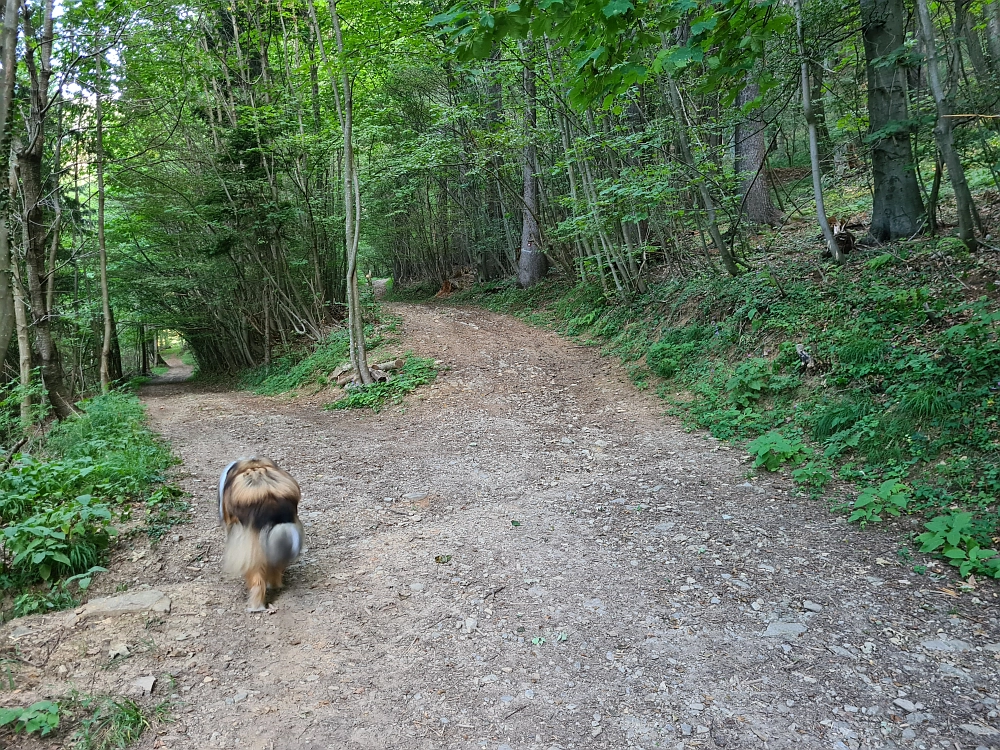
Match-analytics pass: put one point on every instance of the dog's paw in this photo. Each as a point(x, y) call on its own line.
point(260, 608)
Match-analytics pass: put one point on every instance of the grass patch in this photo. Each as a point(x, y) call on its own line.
point(85, 723)
point(114, 724)
point(901, 387)
point(297, 368)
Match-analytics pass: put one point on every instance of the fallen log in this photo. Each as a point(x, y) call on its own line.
point(395, 364)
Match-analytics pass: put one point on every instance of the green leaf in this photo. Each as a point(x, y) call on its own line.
point(617, 8)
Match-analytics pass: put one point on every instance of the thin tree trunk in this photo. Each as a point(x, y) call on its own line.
point(8, 41)
point(56, 226)
point(811, 121)
point(532, 264)
point(728, 259)
point(943, 131)
point(352, 211)
point(101, 244)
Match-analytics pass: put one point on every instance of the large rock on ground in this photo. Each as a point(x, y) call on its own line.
point(149, 600)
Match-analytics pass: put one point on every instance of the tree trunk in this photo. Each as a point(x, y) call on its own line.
point(943, 131)
point(897, 208)
point(352, 212)
point(751, 155)
point(812, 122)
point(532, 265)
point(8, 43)
point(101, 245)
point(29, 157)
point(56, 226)
point(23, 346)
point(993, 34)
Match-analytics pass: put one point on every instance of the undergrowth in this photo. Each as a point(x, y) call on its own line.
point(85, 722)
point(61, 504)
point(884, 374)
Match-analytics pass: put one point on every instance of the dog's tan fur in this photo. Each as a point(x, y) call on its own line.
point(258, 503)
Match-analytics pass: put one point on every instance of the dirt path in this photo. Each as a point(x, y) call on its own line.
point(527, 556)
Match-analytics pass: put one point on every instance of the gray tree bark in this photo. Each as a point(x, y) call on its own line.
point(751, 153)
point(897, 208)
point(102, 249)
point(532, 265)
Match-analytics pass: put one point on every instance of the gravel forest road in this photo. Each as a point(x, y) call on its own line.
point(526, 556)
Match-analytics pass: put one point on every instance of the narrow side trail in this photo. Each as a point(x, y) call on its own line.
point(528, 555)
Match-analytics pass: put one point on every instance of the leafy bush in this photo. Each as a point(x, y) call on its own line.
point(57, 506)
point(951, 537)
point(65, 540)
point(813, 475)
point(41, 717)
point(773, 449)
point(891, 497)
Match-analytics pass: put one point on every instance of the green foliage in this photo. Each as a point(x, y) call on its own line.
point(57, 506)
point(813, 475)
point(754, 379)
point(416, 371)
point(676, 347)
point(56, 598)
point(127, 457)
point(41, 717)
point(952, 537)
point(61, 541)
point(772, 449)
point(891, 497)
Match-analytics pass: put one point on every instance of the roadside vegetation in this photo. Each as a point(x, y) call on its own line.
point(64, 500)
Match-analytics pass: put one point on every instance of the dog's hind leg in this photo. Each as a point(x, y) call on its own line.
point(274, 576)
point(257, 584)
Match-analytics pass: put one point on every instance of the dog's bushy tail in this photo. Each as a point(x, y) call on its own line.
point(282, 544)
point(243, 552)
point(248, 549)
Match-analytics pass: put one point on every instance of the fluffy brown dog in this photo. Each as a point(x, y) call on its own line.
point(258, 503)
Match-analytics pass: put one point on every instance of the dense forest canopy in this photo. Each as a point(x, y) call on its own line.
point(228, 170)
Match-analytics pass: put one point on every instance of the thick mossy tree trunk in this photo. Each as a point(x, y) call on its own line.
point(532, 265)
point(897, 208)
